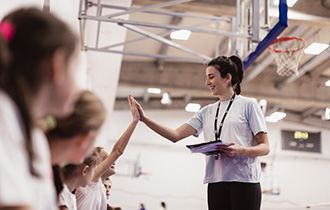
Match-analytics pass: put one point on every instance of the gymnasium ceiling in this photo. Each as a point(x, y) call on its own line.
point(302, 97)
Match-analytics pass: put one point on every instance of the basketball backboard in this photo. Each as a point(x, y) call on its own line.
point(252, 18)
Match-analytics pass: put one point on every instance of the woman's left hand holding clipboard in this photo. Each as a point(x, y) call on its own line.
point(232, 149)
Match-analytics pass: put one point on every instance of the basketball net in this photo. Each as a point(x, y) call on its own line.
point(287, 52)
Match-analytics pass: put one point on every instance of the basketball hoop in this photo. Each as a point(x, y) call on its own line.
point(287, 52)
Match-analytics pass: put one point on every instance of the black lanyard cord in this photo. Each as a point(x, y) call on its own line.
point(217, 134)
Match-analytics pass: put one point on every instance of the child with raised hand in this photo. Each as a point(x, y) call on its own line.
point(75, 176)
point(93, 195)
point(38, 58)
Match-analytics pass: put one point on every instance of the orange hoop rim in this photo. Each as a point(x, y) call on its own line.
point(283, 39)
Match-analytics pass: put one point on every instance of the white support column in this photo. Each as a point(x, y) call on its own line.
point(104, 68)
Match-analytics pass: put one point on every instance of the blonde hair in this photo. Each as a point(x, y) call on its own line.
point(88, 115)
point(101, 156)
point(72, 170)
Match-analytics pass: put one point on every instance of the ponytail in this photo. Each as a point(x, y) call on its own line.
point(237, 89)
point(239, 69)
point(4, 56)
point(21, 99)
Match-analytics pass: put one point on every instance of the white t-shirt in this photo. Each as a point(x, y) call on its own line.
point(244, 120)
point(92, 196)
point(44, 188)
point(67, 199)
point(17, 186)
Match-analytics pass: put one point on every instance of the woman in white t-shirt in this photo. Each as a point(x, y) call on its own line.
point(233, 175)
point(93, 195)
point(38, 56)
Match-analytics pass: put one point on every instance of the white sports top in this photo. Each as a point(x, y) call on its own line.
point(244, 120)
point(67, 199)
point(92, 196)
point(17, 186)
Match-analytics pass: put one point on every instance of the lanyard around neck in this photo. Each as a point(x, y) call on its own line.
point(217, 134)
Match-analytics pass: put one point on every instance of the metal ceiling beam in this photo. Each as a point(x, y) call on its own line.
point(310, 121)
point(317, 73)
point(180, 14)
point(297, 16)
point(160, 34)
point(107, 18)
point(290, 100)
point(309, 112)
point(165, 47)
point(169, 13)
point(273, 108)
point(310, 65)
point(163, 26)
point(225, 9)
point(83, 17)
point(154, 6)
point(166, 41)
point(176, 58)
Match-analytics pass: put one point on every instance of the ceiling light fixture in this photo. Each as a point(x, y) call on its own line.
point(154, 90)
point(327, 83)
point(180, 34)
point(289, 2)
point(275, 117)
point(166, 99)
point(192, 107)
point(326, 114)
point(316, 48)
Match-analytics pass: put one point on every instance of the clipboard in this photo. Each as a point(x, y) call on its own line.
point(207, 148)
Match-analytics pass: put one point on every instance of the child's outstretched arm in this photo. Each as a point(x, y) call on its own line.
point(120, 145)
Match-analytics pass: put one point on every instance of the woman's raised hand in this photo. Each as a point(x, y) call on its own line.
point(140, 109)
point(134, 108)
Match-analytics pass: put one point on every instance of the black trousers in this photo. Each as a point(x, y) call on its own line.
point(234, 196)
